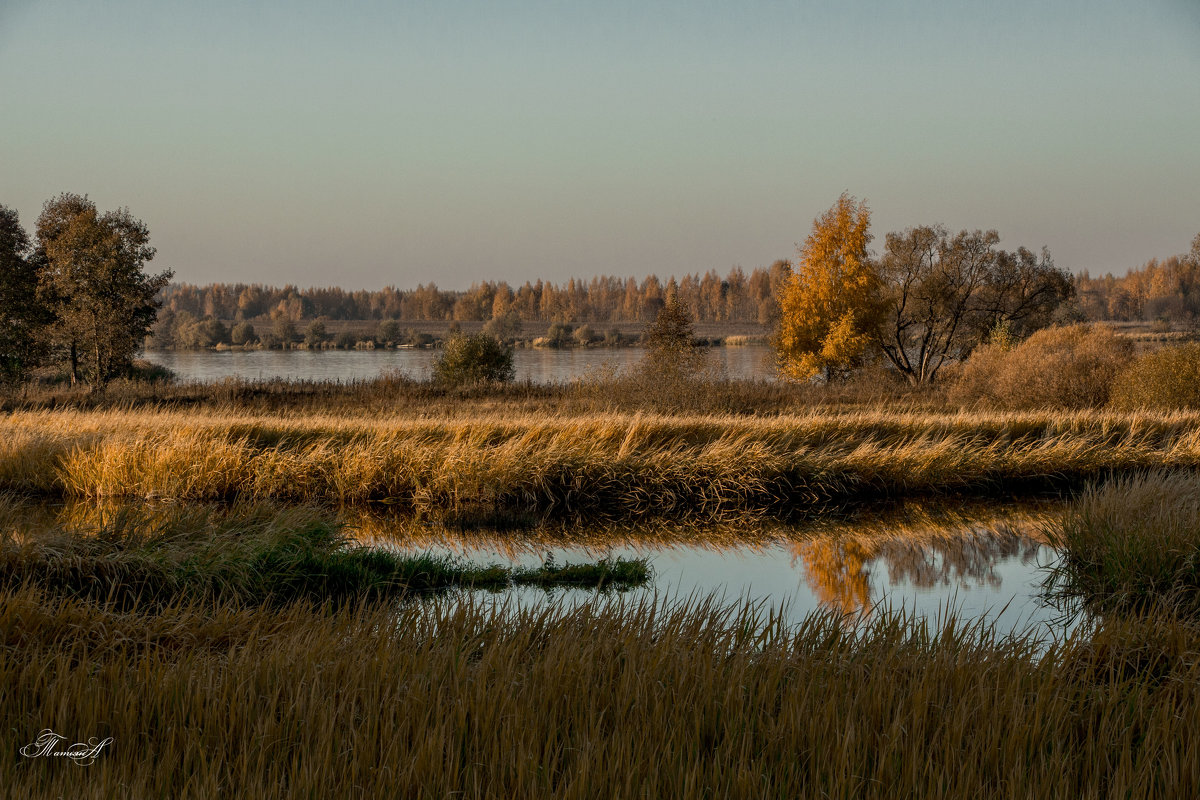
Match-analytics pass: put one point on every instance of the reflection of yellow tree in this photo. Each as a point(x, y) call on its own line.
point(836, 571)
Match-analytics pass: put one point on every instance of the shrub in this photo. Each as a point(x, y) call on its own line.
point(474, 358)
point(506, 327)
point(389, 332)
point(417, 338)
point(315, 335)
point(1068, 367)
point(242, 333)
point(345, 340)
point(584, 335)
point(141, 370)
point(559, 334)
point(1166, 378)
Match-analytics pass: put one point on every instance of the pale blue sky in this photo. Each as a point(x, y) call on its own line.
point(372, 143)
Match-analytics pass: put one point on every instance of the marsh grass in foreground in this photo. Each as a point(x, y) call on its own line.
point(250, 554)
point(1132, 543)
point(603, 699)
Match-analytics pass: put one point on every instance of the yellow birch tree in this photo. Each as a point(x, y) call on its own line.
point(831, 305)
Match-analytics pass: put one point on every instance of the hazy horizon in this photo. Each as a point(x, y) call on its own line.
point(362, 145)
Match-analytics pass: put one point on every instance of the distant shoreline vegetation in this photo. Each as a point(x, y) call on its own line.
point(190, 334)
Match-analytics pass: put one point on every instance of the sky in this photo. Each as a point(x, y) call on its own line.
point(365, 144)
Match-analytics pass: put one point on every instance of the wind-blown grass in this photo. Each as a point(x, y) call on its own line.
point(260, 554)
point(615, 465)
point(597, 700)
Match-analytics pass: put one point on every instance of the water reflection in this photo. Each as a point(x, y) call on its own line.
point(981, 558)
point(839, 571)
point(984, 560)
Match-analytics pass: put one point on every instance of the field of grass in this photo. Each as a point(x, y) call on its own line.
point(258, 649)
point(397, 393)
point(442, 699)
point(604, 464)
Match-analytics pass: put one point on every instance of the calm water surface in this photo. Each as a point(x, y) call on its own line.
point(538, 365)
point(985, 562)
point(980, 562)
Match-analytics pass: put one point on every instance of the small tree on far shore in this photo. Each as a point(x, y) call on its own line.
point(671, 354)
point(474, 358)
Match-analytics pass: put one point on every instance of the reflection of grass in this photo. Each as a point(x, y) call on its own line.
point(914, 521)
point(603, 573)
point(252, 554)
point(601, 464)
point(596, 700)
point(1133, 542)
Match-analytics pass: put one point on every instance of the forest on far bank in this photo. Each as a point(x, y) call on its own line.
point(1163, 293)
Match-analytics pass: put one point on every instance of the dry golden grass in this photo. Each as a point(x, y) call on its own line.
point(613, 465)
point(600, 700)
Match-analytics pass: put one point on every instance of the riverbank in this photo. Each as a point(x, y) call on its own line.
point(605, 465)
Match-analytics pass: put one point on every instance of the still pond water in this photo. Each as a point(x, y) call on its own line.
point(979, 562)
point(537, 365)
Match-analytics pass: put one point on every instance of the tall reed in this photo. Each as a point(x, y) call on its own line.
point(596, 700)
point(1133, 543)
point(149, 557)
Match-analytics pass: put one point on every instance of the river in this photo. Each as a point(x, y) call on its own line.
point(532, 364)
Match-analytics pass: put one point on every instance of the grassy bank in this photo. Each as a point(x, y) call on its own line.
point(1133, 544)
point(614, 465)
point(139, 557)
point(433, 700)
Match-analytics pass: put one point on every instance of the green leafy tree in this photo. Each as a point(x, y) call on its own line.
point(389, 332)
point(93, 281)
point(474, 358)
point(283, 330)
point(829, 309)
point(506, 327)
point(22, 317)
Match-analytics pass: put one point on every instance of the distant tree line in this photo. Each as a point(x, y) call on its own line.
point(736, 297)
point(1166, 291)
point(75, 297)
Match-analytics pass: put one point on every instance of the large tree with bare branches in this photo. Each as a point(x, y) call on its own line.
point(943, 295)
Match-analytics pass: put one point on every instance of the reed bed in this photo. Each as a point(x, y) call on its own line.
point(603, 465)
point(612, 699)
point(1133, 543)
